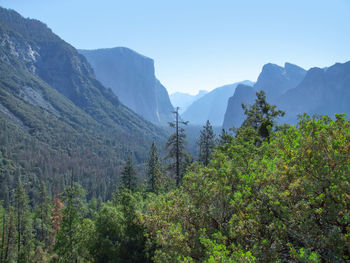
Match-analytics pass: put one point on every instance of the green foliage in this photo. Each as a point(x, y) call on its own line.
point(286, 200)
point(118, 234)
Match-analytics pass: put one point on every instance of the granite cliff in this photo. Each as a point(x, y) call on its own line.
point(131, 77)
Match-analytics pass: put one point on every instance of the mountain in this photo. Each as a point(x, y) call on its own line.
point(273, 79)
point(131, 77)
point(234, 115)
point(276, 80)
point(56, 118)
point(296, 91)
point(211, 106)
point(322, 91)
point(184, 100)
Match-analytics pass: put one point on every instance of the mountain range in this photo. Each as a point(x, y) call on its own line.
point(184, 100)
point(295, 91)
point(131, 77)
point(211, 106)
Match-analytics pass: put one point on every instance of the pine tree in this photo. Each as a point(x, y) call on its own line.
point(68, 243)
point(9, 238)
point(129, 178)
point(44, 214)
point(3, 232)
point(154, 172)
point(261, 116)
point(175, 146)
point(206, 144)
point(24, 223)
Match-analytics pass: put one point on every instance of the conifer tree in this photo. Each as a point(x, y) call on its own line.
point(175, 146)
point(154, 172)
point(3, 232)
point(44, 214)
point(206, 144)
point(68, 243)
point(9, 238)
point(261, 116)
point(129, 178)
point(23, 223)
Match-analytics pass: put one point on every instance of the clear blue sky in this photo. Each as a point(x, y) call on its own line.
point(199, 44)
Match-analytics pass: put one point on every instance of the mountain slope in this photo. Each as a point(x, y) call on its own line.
point(131, 77)
point(211, 106)
point(56, 117)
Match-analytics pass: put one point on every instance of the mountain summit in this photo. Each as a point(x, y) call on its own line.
point(276, 80)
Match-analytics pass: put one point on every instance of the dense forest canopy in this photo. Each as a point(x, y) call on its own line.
point(285, 198)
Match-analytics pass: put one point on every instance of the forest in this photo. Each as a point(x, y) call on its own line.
point(263, 192)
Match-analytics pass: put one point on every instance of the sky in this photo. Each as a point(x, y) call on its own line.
point(202, 44)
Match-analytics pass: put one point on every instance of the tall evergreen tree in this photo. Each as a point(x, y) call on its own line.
point(44, 213)
point(23, 223)
point(175, 146)
point(8, 244)
point(261, 116)
point(3, 222)
point(206, 144)
point(129, 178)
point(68, 245)
point(154, 172)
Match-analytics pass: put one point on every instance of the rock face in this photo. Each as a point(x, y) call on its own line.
point(234, 115)
point(276, 80)
point(211, 106)
point(131, 77)
point(322, 91)
point(184, 100)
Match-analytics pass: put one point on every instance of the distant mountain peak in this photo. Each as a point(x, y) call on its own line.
point(275, 80)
